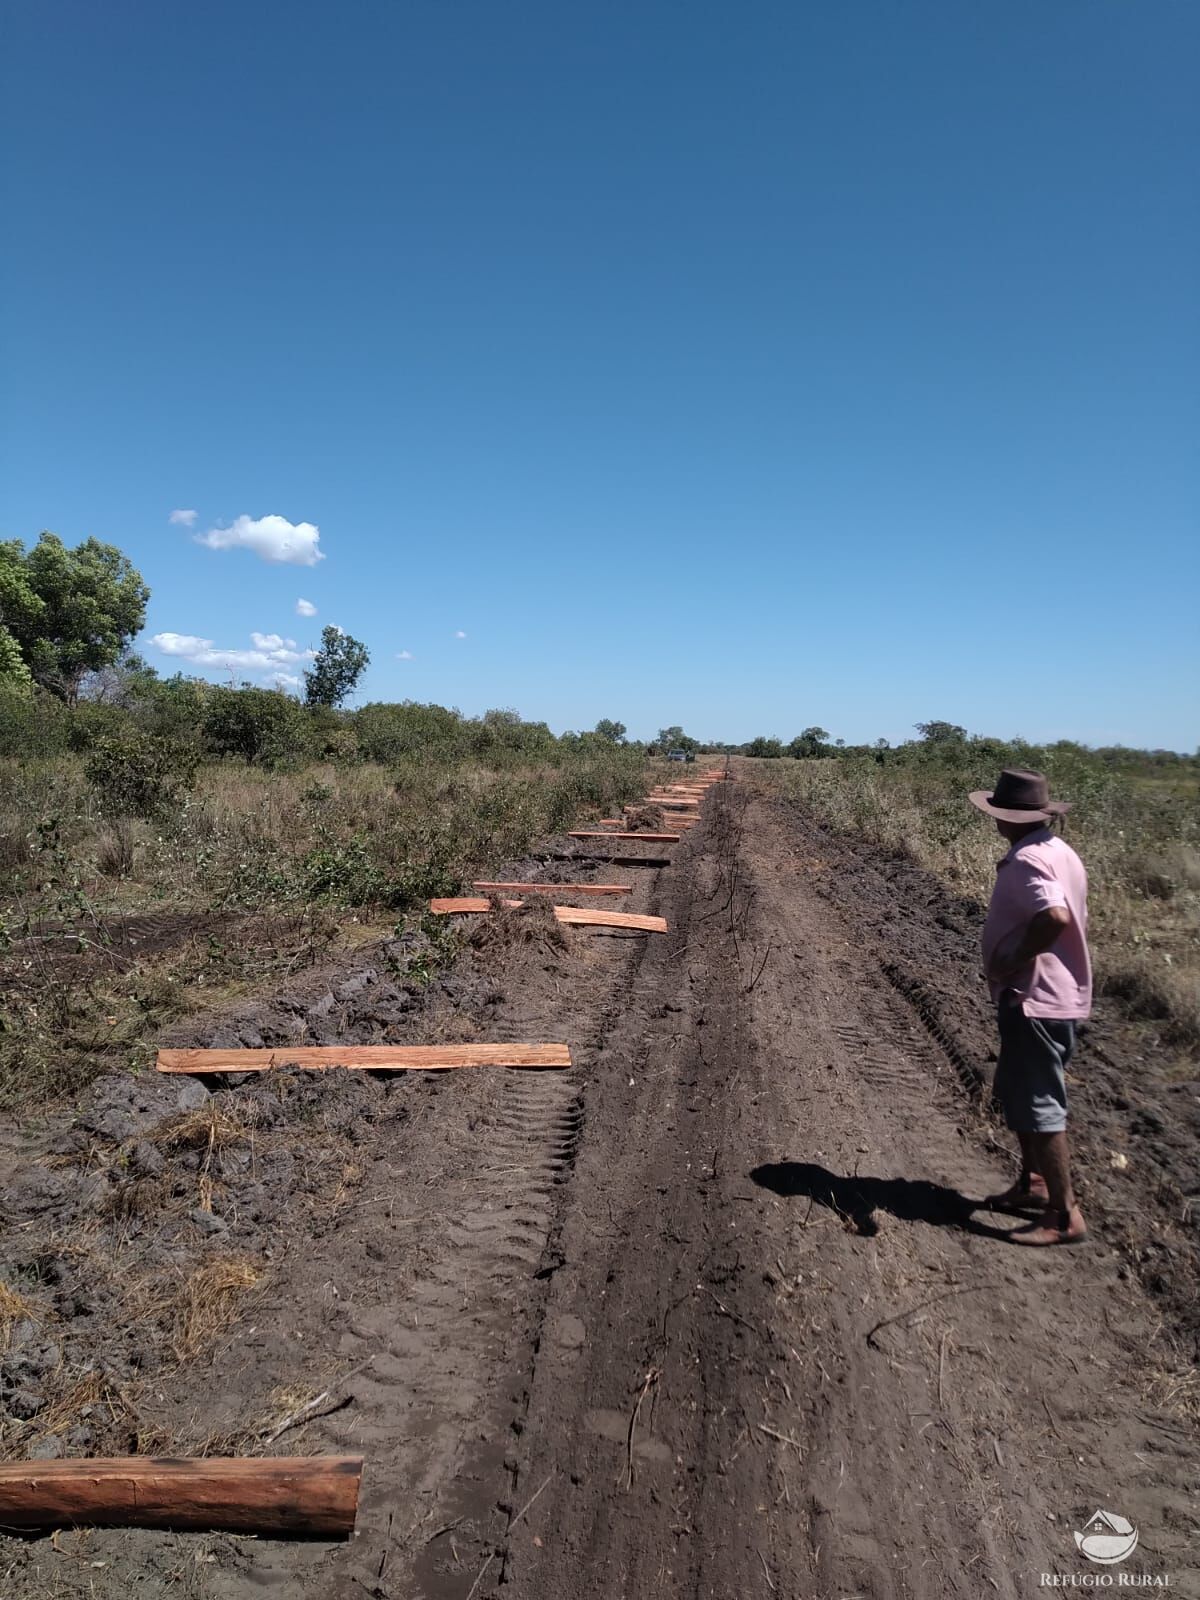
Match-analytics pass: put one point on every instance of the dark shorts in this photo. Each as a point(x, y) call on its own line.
point(1031, 1075)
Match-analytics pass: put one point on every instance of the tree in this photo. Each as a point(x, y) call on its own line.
point(20, 609)
point(811, 742)
point(675, 739)
point(614, 732)
point(941, 732)
point(763, 747)
point(70, 612)
point(340, 663)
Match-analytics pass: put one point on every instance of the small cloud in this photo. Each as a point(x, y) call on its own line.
point(404, 655)
point(273, 538)
point(460, 634)
point(305, 608)
point(183, 519)
point(286, 680)
point(272, 658)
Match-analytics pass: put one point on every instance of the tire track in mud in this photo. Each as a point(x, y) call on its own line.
point(540, 1123)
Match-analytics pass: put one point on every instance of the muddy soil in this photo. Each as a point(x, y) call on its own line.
point(715, 1313)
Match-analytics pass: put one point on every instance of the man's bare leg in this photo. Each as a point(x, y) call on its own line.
point(1030, 1188)
point(1031, 1160)
point(1062, 1222)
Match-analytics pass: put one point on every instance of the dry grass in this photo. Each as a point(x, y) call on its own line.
point(14, 1308)
point(1176, 1390)
point(211, 1127)
point(201, 1304)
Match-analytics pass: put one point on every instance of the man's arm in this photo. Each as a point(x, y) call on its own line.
point(1034, 939)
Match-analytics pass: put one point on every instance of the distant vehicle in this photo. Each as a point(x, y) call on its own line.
point(680, 755)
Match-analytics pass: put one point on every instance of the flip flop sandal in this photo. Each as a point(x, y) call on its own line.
point(1039, 1236)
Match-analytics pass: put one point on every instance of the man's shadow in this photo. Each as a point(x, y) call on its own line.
point(857, 1199)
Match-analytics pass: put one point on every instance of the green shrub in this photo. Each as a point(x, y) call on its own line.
point(345, 873)
point(136, 774)
point(32, 723)
point(263, 726)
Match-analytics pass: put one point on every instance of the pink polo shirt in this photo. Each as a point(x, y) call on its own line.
point(1042, 870)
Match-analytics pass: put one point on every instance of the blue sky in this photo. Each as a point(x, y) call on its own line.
point(738, 365)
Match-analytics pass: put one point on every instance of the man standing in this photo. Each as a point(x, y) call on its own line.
point(1035, 956)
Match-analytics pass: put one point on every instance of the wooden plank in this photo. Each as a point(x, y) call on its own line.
point(367, 1057)
point(312, 1496)
point(556, 888)
point(646, 838)
point(592, 917)
point(453, 905)
point(571, 916)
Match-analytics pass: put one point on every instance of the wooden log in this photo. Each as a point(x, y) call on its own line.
point(367, 1057)
point(314, 1496)
point(570, 916)
point(556, 888)
point(647, 838)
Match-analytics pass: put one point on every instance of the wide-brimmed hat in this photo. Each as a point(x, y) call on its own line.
point(1019, 796)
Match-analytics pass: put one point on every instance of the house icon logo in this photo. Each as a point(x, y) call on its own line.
point(1106, 1538)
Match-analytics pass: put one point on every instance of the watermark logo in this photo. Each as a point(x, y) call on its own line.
point(1106, 1538)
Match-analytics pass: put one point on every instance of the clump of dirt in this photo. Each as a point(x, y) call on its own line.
point(644, 819)
point(531, 927)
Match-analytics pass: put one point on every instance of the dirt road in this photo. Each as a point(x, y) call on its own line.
point(710, 1315)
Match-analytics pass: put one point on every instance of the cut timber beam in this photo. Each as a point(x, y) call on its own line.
point(570, 916)
point(556, 888)
point(588, 917)
point(367, 1057)
point(646, 838)
point(270, 1495)
point(452, 905)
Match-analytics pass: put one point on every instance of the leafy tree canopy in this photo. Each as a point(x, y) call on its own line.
point(812, 742)
point(340, 663)
point(941, 732)
point(614, 732)
point(674, 738)
point(70, 612)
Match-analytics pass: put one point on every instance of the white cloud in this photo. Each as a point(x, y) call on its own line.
point(273, 538)
point(404, 655)
point(460, 634)
point(270, 659)
point(183, 519)
point(305, 608)
point(286, 680)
